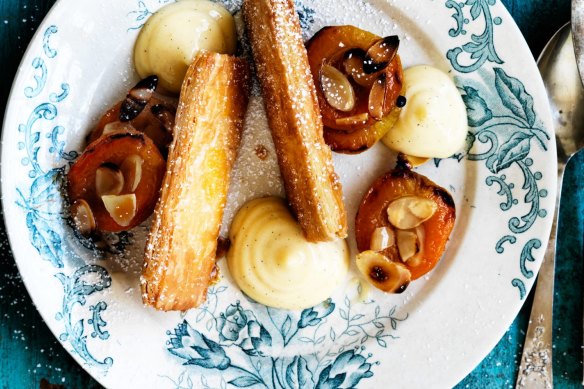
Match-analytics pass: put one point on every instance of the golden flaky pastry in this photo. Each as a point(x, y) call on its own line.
point(180, 251)
point(312, 187)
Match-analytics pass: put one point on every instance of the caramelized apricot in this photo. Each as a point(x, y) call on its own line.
point(345, 48)
point(360, 140)
point(398, 183)
point(147, 121)
point(110, 151)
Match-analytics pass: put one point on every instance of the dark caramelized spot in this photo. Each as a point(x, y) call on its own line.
point(109, 165)
point(261, 152)
point(402, 288)
point(444, 196)
point(403, 167)
point(378, 274)
point(137, 98)
point(223, 245)
point(165, 115)
point(401, 102)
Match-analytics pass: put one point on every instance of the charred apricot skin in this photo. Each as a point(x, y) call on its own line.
point(395, 184)
point(113, 149)
point(145, 122)
point(329, 46)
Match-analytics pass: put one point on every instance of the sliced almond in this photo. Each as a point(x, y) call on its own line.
point(408, 212)
point(116, 126)
point(417, 258)
point(337, 89)
point(423, 208)
point(355, 120)
point(353, 66)
point(121, 208)
point(380, 54)
point(377, 98)
point(407, 244)
point(108, 180)
point(131, 169)
point(381, 272)
point(382, 238)
point(83, 217)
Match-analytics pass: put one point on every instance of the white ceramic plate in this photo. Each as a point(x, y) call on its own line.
point(79, 63)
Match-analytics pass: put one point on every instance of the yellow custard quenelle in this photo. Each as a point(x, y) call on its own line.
point(172, 37)
point(274, 264)
point(433, 124)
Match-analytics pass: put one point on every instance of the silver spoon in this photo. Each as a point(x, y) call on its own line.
point(557, 65)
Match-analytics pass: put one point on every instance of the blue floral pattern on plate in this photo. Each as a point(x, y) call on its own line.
point(506, 122)
point(46, 215)
point(248, 347)
point(239, 343)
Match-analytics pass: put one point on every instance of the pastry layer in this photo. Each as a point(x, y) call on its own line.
point(312, 187)
point(180, 251)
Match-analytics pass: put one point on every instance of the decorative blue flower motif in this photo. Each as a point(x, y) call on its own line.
point(298, 375)
point(231, 322)
point(481, 48)
point(197, 349)
point(504, 130)
point(43, 204)
point(313, 316)
point(345, 372)
point(477, 109)
point(257, 341)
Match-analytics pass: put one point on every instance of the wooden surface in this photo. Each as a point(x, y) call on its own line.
point(30, 356)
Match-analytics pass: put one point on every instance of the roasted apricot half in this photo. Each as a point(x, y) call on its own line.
point(114, 184)
point(358, 77)
point(142, 110)
point(416, 213)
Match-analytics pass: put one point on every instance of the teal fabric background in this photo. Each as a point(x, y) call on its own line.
point(30, 356)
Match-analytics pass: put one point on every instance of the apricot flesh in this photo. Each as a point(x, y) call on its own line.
point(113, 149)
point(396, 184)
point(329, 46)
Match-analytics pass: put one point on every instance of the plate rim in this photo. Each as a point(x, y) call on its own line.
point(14, 239)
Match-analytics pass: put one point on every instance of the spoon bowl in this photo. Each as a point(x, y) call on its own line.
point(557, 65)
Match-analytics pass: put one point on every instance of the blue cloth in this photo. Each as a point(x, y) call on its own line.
point(30, 356)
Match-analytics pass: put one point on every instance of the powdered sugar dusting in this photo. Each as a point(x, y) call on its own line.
point(253, 177)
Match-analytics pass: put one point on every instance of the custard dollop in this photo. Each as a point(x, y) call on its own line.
point(273, 263)
point(434, 123)
point(172, 37)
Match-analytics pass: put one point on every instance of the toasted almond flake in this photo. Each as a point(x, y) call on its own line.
point(380, 54)
point(353, 120)
point(381, 272)
point(407, 244)
point(131, 169)
point(382, 238)
point(417, 258)
point(337, 89)
point(108, 180)
point(423, 208)
point(114, 127)
point(409, 212)
point(83, 217)
point(377, 98)
point(353, 66)
point(121, 208)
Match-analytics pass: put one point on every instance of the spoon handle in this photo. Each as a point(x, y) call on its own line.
point(535, 370)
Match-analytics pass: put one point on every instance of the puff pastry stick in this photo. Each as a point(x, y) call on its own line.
point(180, 250)
point(312, 187)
